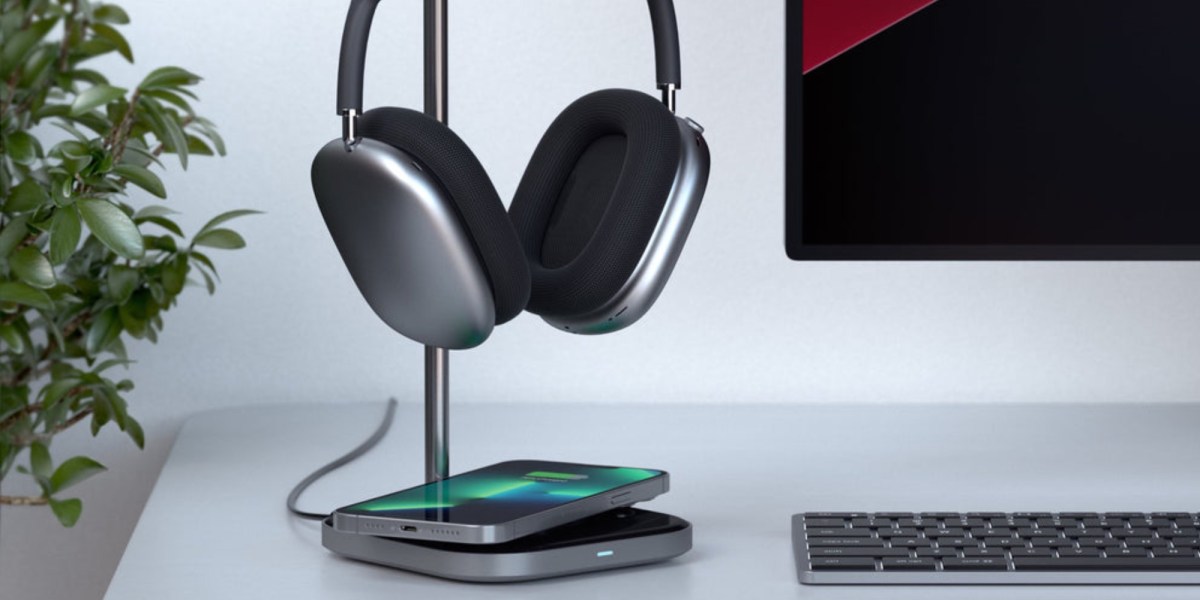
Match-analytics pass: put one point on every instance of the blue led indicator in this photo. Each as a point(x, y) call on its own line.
point(604, 553)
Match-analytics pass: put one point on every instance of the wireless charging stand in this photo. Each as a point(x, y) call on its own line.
point(622, 537)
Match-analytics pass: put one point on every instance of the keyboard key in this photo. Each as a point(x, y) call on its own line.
point(1148, 542)
point(893, 515)
point(845, 542)
point(946, 532)
point(1051, 543)
point(1098, 543)
point(1126, 552)
point(957, 542)
point(911, 542)
point(1079, 552)
point(1124, 515)
point(940, 515)
point(1031, 515)
point(1078, 532)
point(1004, 542)
point(999, 552)
point(937, 552)
point(824, 522)
point(843, 564)
point(832, 515)
point(991, 531)
point(1181, 531)
point(1189, 552)
point(1189, 542)
point(891, 533)
point(1171, 515)
point(1032, 552)
point(865, 522)
point(837, 532)
point(988, 515)
point(975, 564)
point(858, 552)
point(1107, 564)
point(1127, 533)
point(1035, 532)
point(1078, 515)
point(909, 564)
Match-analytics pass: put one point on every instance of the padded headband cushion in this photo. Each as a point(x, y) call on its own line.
point(447, 157)
point(592, 196)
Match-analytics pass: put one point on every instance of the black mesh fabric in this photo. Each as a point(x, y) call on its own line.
point(619, 239)
point(440, 151)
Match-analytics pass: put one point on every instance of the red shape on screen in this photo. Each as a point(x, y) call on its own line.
point(832, 27)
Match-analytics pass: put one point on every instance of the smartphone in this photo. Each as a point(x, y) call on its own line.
point(502, 502)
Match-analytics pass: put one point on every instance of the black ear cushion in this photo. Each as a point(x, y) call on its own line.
point(582, 240)
point(443, 154)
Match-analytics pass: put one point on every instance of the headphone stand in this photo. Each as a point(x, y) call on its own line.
point(621, 537)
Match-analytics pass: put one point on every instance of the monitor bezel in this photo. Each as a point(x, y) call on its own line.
point(797, 249)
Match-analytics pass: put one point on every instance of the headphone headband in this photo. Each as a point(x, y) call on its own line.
point(358, 28)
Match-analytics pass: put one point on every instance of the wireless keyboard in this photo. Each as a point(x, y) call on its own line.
point(997, 548)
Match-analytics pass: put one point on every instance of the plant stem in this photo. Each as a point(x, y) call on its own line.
point(24, 500)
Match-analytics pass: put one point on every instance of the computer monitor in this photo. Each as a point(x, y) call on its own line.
point(993, 129)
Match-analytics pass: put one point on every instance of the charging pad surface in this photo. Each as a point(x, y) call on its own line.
point(621, 537)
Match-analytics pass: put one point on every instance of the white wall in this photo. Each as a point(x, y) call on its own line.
point(738, 323)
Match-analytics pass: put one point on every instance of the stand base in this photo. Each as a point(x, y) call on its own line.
point(618, 538)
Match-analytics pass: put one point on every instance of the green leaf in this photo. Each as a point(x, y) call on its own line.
point(168, 77)
point(227, 216)
point(226, 239)
point(153, 210)
point(55, 391)
point(65, 231)
point(174, 274)
point(122, 281)
point(20, 293)
point(32, 267)
point(67, 511)
point(95, 96)
point(28, 195)
point(111, 13)
point(72, 471)
point(115, 37)
point(165, 223)
point(113, 227)
point(134, 430)
point(104, 330)
point(209, 284)
point(14, 342)
point(12, 234)
point(21, 147)
point(198, 147)
point(142, 177)
point(16, 48)
point(39, 460)
point(167, 129)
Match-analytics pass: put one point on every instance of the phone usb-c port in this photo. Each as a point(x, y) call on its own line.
point(407, 528)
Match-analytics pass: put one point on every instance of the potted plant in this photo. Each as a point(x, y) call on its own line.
point(82, 269)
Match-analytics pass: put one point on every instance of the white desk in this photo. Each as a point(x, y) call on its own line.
point(215, 526)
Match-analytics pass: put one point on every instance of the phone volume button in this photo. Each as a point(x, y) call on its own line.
point(620, 498)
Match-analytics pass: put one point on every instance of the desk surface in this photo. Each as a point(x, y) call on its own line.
point(215, 525)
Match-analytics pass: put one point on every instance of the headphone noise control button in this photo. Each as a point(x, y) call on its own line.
point(693, 124)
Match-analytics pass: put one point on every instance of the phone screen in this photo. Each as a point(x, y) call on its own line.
point(502, 492)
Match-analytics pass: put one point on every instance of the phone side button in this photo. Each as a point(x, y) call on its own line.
point(620, 498)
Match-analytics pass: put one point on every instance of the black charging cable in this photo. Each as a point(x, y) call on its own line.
point(342, 461)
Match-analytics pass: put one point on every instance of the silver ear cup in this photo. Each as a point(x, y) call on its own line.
point(403, 243)
point(653, 270)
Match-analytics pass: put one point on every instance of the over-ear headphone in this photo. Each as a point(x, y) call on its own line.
point(591, 236)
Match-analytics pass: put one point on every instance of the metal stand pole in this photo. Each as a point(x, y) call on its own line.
point(437, 360)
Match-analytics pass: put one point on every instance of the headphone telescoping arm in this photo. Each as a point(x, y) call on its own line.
point(358, 28)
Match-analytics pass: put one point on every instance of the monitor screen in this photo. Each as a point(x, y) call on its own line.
point(993, 129)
